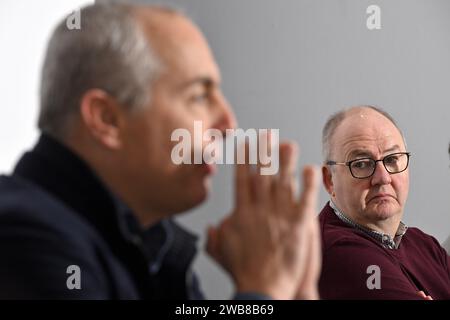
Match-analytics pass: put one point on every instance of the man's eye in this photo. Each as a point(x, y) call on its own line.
point(391, 159)
point(362, 164)
point(200, 99)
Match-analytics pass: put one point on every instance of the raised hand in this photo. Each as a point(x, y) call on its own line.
point(270, 242)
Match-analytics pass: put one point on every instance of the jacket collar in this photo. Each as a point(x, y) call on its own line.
point(54, 167)
point(63, 174)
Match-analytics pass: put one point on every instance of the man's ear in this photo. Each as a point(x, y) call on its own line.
point(327, 180)
point(102, 116)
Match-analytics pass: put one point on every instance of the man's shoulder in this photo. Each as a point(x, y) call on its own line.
point(40, 233)
point(336, 233)
point(417, 233)
point(24, 204)
point(417, 239)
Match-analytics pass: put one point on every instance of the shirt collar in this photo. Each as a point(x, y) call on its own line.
point(386, 240)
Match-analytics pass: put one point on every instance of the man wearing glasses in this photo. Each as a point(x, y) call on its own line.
point(368, 252)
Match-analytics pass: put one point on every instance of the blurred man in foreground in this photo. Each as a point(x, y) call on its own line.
point(86, 213)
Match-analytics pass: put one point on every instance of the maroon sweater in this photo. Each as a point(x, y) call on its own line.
point(420, 263)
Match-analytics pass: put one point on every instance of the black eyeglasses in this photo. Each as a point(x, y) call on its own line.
point(363, 168)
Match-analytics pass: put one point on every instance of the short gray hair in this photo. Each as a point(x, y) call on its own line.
point(336, 119)
point(109, 52)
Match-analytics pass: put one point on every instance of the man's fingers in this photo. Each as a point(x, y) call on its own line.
point(242, 177)
point(215, 237)
point(262, 182)
point(308, 285)
point(307, 205)
point(288, 160)
point(315, 264)
point(212, 242)
point(424, 296)
point(285, 186)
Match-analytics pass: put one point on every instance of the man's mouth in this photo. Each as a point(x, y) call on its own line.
point(381, 196)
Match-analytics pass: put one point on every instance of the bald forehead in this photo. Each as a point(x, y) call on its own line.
point(360, 118)
point(366, 132)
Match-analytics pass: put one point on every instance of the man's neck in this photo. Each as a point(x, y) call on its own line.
point(106, 171)
point(388, 226)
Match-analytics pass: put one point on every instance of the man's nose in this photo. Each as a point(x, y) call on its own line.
point(225, 118)
point(381, 175)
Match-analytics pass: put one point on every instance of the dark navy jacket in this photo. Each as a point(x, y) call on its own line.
point(55, 213)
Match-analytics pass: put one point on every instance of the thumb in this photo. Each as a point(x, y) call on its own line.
point(308, 199)
point(212, 242)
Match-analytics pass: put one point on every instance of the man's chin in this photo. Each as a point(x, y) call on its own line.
point(201, 194)
point(383, 209)
point(203, 191)
point(194, 196)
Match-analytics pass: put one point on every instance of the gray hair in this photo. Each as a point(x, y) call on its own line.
point(109, 52)
point(336, 119)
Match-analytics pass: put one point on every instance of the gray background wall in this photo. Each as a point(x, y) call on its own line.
point(290, 64)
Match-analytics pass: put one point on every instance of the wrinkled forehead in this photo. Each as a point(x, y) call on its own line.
point(366, 133)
